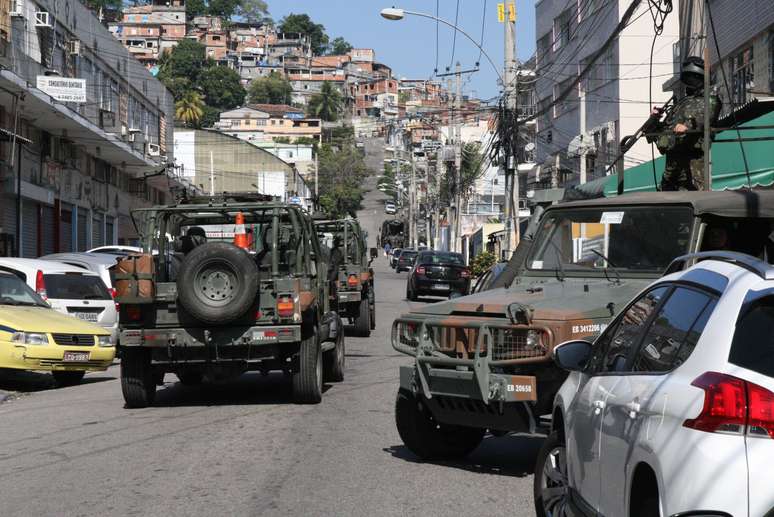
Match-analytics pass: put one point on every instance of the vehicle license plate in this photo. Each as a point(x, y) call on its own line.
point(76, 357)
point(87, 316)
point(441, 287)
point(262, 335)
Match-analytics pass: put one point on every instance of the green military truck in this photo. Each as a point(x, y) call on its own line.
point(238, 283)
point(484, 362)
point(353, 283)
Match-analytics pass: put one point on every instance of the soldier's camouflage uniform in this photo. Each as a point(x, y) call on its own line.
point(684, 168)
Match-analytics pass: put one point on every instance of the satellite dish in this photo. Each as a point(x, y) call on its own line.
point(529, 147)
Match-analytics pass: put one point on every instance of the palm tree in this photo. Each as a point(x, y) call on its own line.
point(326, 104)
point(190, 109)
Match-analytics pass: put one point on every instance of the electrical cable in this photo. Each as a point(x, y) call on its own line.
point(454, 37)
point(437, 4)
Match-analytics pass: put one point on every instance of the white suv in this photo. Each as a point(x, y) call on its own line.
point(671, 409)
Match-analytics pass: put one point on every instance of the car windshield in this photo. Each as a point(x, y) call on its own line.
point(75, 286)
point(13, 291)
point(640, 239)
point(453, 259)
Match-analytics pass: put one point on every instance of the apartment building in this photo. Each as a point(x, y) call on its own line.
point(375, 98)
point(83, 125)
point(150, 30)
point(578, 133)
point(308, 81)
point(269, 122)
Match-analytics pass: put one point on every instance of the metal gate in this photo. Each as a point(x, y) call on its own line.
point(83, 229)
point(97, 229)
point(109, 230)
point(48, 230)
point(29, 223)
point(66, 228)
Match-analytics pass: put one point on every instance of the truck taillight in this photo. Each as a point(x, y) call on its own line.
point(733, 405)
point(40, 285)
point(133, 312)
point(352, 281)
point(285, 307)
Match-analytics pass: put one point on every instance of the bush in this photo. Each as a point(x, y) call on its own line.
point(482, 262)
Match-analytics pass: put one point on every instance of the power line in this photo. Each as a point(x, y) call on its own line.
point(454, 35)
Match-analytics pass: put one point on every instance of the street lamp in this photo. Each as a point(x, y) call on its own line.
point(394, 14)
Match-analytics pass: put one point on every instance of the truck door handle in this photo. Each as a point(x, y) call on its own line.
point(599, 405)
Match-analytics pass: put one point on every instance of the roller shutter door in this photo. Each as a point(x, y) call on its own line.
point(96, 231)
point(29, 247)
point(109, 230)
point(83, 229)
point(48, 230)
point(66, 228)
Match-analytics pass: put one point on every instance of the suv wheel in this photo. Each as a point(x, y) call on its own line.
point(64, 378)
point(427, 438)
point(550, 484)
point(363, 320)
point(333, 360)
point(307, 381)
point(137, 381)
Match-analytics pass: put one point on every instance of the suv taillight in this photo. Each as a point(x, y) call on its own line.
point(40, 285)
point(465, 273)
point(733, 405)
point(285, 307)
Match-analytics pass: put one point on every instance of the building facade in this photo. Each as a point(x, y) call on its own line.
point(268, 123)
point(150, 30)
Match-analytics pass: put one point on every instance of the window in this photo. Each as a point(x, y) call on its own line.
point(753, 343)
point(742, 76)
point(570, 102)
point(562, 24)
point(613, 348)
point(675, 331)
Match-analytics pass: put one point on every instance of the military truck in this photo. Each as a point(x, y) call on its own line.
point(238, 283)
point(393, 232)
point(353, 283)
point(483, 362)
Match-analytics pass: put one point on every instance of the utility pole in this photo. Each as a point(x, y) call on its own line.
point(457, 243)
point(316, 177)
point(511, 92)
point(706, 145)
point(449, 171)
point(212, 176)
point(412, 202)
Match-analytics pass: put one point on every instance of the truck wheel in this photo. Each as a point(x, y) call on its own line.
point(217, 283)
point(427, 438)
point(411, 295)
point(137, 381)
point(333, 360)
point(550, 485)
point(307, 381)
point(372, 307)
point(64, 379)
point(363, 320)
point(190, 378)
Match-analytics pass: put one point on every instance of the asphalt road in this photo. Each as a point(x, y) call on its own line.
point(242, 448)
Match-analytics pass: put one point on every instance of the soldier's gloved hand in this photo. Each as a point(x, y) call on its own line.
point(681, 128)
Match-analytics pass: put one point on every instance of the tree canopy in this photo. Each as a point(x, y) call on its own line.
point(339, 46)
point(221, 87)
point(326, 104)
point(272, 89)
point(254, 11)
point(341, 175)
point(301, 23)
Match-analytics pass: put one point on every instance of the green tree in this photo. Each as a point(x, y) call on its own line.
point(301, 23)
point(272, 89)
point(472, 168)
point(194, 8)
point(190, 109)
point(224, 8)
point(482, 262)
point(210, 116)
point(221, 87)
point(339, 46)
point(253, 10)
point(341, 175)
point(326, 104)
point(179, 69)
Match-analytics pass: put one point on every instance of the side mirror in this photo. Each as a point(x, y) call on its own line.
point(374, 253)
point(572, 355)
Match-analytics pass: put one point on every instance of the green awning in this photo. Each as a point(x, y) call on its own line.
point(728, 171)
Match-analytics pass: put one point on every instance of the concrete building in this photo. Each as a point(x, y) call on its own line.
point(300, 156)
point(578, 135)
point(218, 162)
point(84, 129)
point(150, 30)
point(209, 31)
point(269, 122)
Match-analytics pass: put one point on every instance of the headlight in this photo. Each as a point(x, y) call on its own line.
point(29, 338)
point(104, 341)
point(533, 338)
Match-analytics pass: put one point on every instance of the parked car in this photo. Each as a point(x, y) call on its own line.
point(389, 208)
point(71, 290)
point(394, 254)
point(438, 273)
point(35, 337)
point(672, 407)
point(116, 250)
point(100, 263)
point(405, 260)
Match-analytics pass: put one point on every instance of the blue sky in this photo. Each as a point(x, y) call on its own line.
point(408, 46)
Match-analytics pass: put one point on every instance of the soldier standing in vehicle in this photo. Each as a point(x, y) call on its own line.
point(681, 137)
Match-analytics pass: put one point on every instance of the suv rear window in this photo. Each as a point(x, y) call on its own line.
point(75, 287)
point(753, 343)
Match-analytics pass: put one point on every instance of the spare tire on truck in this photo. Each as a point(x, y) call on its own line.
point(217, 283)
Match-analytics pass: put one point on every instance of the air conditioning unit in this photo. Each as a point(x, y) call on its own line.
point(17, 8)
point(43, 20)
point(74, 47)
point(153, 150)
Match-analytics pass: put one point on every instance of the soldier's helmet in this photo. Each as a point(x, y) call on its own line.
point(692, 72)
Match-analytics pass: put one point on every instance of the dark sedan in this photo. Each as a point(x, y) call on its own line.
point(438, 273)
point(405, 260)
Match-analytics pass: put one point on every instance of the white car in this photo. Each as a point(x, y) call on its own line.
point(672, 408)
point(71, 290)
point(99, 263)
point(116, 250)
point(389, 208)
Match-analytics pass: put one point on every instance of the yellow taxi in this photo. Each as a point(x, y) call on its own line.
point(33, 336)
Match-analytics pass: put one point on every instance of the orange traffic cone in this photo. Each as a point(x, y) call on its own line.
point(240, 236)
